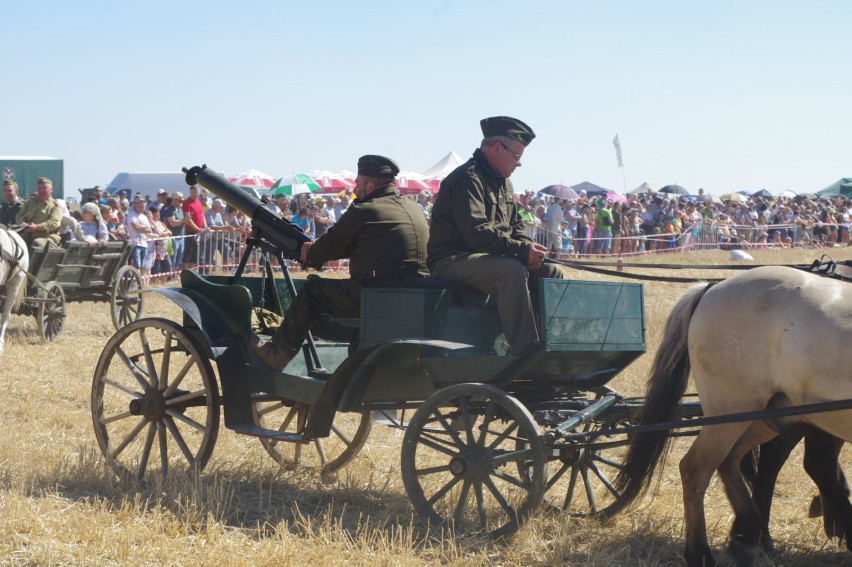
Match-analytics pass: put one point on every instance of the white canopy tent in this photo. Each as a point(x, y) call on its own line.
point(444, 166)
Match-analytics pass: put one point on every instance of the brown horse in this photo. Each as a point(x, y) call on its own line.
point(768, 334)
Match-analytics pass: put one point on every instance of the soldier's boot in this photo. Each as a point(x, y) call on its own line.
point(271, 356)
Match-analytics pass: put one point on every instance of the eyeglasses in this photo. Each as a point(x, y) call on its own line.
point(514, 155)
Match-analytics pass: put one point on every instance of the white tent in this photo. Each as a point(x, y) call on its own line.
point(644, 188)
point(444, 166)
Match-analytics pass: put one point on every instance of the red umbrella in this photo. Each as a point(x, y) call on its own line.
point(254, 178)
point(411, 184)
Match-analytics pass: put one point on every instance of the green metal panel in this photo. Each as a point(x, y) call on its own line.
point(593, 316)
point(388, 314)
point(25, 171)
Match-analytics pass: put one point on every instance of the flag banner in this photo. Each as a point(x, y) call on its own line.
point(617, 145)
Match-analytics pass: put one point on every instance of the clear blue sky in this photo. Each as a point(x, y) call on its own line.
point(722, 95)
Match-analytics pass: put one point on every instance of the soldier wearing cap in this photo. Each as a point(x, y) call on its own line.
point(384, 236)
point(41, 216)
point(478, 237)
point(11, 205)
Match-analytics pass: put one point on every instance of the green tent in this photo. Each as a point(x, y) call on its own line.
point(841, 188)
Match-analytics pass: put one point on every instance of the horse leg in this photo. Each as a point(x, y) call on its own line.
point(748, 522)
point(13, 288)
point(707, 453)
point(773, 455)
point(822, 452)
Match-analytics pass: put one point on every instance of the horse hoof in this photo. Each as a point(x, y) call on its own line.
point(741, 554)
point(767, 544)
point(701, 558)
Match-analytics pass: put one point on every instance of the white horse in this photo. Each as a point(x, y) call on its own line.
point(14, 262)
point(766, 337)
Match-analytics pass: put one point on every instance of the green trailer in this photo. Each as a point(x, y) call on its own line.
point(26, 169)
point(487, 435)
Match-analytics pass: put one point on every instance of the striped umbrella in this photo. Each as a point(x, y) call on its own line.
point(295, 184)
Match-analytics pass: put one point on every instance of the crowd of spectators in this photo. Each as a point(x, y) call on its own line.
point(658, 222)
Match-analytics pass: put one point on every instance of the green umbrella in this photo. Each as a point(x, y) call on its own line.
point(295, 184)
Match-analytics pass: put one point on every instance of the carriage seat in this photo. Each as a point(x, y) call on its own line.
point(462, 295)
point(232, 303)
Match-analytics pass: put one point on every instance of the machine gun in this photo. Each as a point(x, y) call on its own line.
point(284, 235)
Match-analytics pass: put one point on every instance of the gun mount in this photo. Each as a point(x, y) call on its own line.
point(281, 233)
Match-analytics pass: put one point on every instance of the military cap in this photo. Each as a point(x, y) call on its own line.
point(507, 126)
point(44, 180)
point(11, 182)
point(377, 166)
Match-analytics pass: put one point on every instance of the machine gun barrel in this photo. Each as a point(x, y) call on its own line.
point(280, 232)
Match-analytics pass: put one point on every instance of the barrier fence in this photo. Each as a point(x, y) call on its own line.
point(221, 251)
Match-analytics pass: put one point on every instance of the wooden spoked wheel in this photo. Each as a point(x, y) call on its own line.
point(155, 401)
point(50, 313)
point(126, 300)
point(349, 432)
point(461, 460)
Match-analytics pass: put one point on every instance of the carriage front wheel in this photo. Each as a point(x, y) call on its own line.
point(50, 313)
point(155, 401)
point(461, 457)
point(126, 297)
point(348, 434)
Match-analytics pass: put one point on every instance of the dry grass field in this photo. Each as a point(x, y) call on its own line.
point(60, 505)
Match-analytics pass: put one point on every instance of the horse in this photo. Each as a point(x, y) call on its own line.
point(822, 454)
point(14, 263)
point(769, 336)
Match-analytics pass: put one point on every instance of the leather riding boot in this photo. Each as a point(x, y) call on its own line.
point(271, 356)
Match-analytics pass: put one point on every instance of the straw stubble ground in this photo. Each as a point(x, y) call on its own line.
point(59, 505)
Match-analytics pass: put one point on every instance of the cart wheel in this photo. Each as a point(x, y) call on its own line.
point(154, 388)
point(582, 475)
point(349, 432)
point(50, 313)
point(126, 297)
point(460, 460)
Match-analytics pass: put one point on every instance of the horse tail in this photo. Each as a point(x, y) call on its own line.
point(666, 386)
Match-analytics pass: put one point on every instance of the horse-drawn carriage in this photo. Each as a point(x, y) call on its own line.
point(487, 436)
point(80, 271)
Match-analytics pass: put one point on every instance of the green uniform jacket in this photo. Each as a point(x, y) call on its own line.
point(47, 213)
point(475, 211)
point(384, 236)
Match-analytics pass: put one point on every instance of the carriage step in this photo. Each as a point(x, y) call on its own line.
point(257, 431)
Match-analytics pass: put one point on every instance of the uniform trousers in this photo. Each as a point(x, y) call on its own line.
point(338, 298)
point(508, 280)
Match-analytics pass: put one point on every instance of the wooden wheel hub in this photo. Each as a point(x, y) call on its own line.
point(152, 405)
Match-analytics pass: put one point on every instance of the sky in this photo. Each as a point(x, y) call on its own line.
point(723, 95)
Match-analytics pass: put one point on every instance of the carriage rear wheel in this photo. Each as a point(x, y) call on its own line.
point(349, 432)
point(461, 457)
point(154, 390)
point(50, 313)
point(126, 297)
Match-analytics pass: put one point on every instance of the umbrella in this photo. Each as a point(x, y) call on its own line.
point(294, 184)
point(253, 177)
point(674, 190)
point(804, 196)
point(786, 193)
point(411, 183)
point(744, 193)
point(616, 197)
point(735, 197)
point(763, 194)
point(331, 182)
point(561, 191)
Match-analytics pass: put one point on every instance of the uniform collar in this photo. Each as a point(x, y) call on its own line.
point(482, 163)
point(389, 189)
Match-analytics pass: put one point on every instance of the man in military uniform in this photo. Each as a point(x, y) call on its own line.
point(11, 203)
point(41, 216)
point(478, 237)
point(384, 236)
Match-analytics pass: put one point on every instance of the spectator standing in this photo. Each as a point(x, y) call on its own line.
point(214, 240)
point(341, 206)
point(160, 262)
point(324, 217)
point(138, 230)
point(173, 218)
point(11, 203)
point(194, 226)
point(553, 217)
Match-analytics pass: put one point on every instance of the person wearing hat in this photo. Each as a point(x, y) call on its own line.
point(92, 228)
point(478, 237)
point(384, 236)
point(11, 205)
point(172, 216)
point(40, 216)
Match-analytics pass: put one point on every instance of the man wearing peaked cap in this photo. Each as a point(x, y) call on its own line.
point(478, 237)
point(11, 205)
point(384, 236)
point(41, 216)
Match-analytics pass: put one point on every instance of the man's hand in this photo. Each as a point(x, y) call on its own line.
point(536, 257)
point(303, 255)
